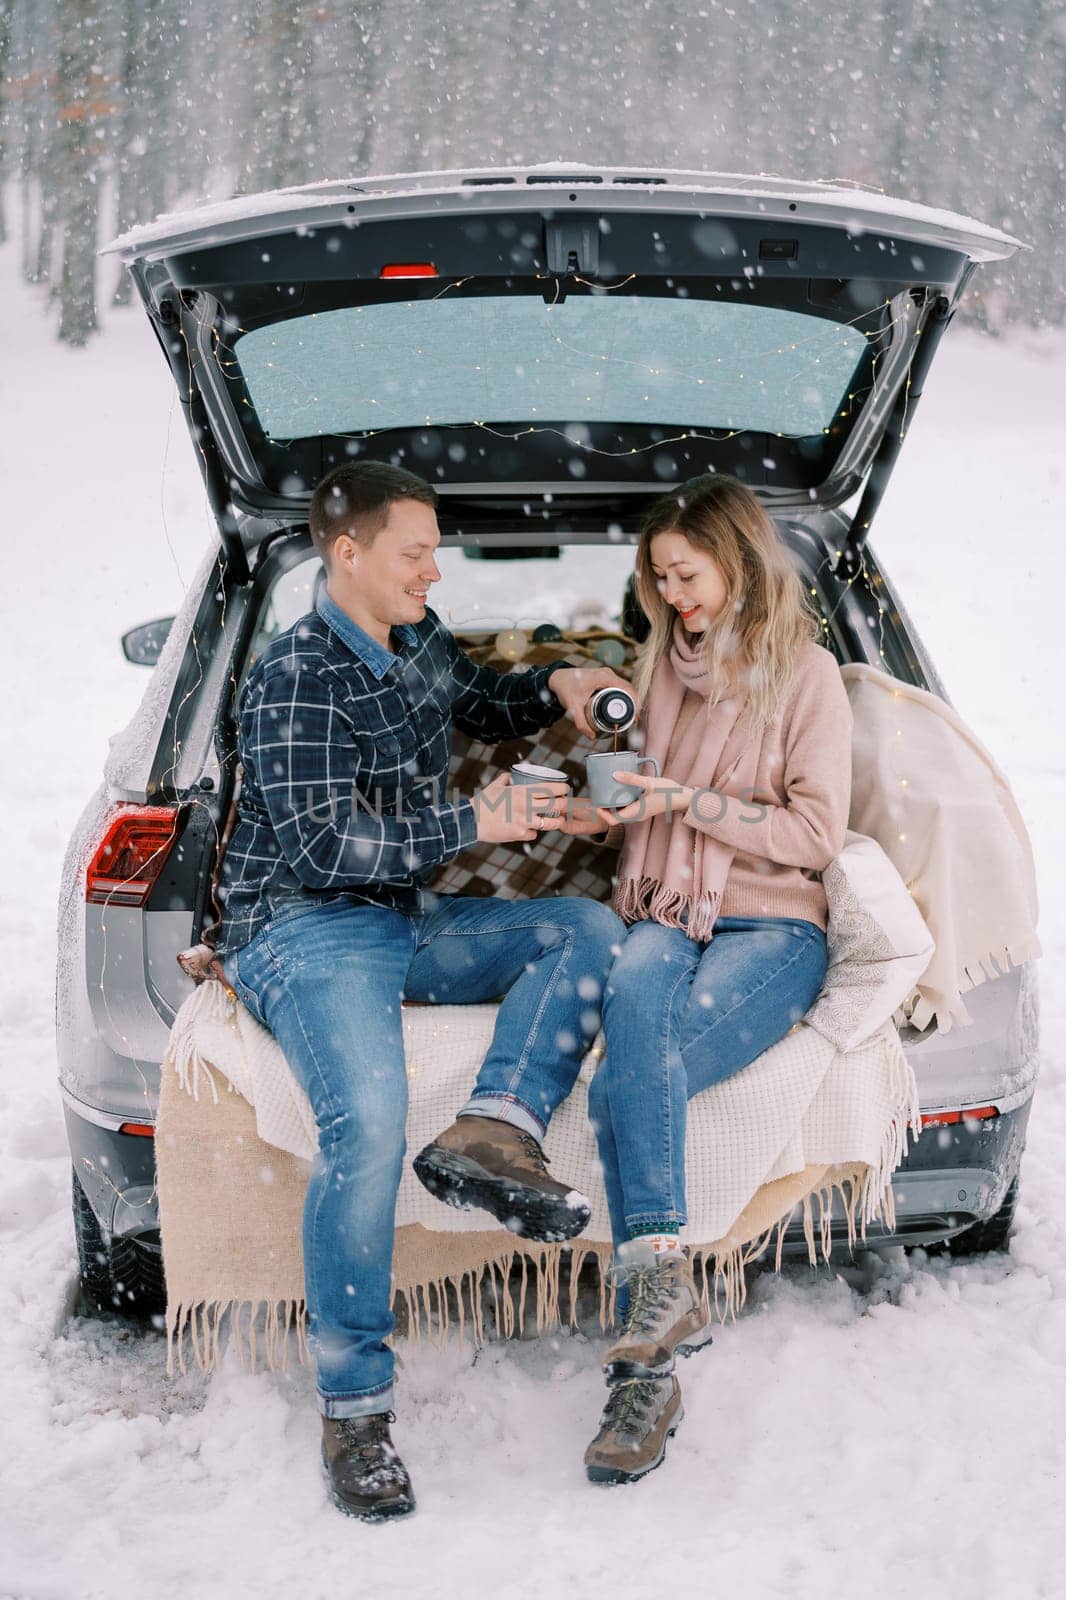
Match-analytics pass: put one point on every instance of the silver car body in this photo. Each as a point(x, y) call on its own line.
point(119, 984)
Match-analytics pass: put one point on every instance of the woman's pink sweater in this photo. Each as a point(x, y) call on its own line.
point(796, 822)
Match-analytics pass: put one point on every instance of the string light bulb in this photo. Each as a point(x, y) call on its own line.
point(512, 643)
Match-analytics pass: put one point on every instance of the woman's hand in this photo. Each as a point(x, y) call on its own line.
point(581, 817)
point(659, 797)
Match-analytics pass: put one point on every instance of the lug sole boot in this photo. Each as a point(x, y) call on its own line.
point(665, 1317)
point(638, 1420)
point(366, 1477)
point(485, 1164)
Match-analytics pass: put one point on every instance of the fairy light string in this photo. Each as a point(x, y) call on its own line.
point(883, 337)
point(224, 341)
point(191, 799)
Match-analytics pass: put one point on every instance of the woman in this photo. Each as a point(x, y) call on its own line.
point(719, 881)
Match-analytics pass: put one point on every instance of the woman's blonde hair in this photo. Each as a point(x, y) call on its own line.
point(765, 618)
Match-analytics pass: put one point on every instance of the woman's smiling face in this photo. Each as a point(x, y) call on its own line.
point(689, 579)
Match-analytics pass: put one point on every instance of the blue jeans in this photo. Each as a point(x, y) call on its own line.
point(327, 981)
point(679, 1016)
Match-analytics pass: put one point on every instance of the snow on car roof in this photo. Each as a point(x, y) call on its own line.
point(836, 203)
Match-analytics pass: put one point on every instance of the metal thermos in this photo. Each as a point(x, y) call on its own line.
point(611, 710)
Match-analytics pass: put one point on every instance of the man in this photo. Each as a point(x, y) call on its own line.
point(345, 738)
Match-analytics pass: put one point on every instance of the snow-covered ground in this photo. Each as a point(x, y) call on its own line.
point(897, 1428)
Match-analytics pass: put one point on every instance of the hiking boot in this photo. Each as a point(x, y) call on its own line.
point(483, 1162)
point(367, 1479)
point(637, 1420)
point(665, 1316)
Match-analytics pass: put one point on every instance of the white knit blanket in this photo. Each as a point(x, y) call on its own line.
point(835, 1091)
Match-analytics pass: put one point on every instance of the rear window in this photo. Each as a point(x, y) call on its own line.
point(582, 587)
point(592, 358)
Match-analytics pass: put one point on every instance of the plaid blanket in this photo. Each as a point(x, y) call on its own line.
point(554, 863)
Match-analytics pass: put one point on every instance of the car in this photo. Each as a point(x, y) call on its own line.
point(551, 348)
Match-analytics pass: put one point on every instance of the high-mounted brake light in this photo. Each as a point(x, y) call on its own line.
point(409, 269)
point(942, 1119)
point(131, 855)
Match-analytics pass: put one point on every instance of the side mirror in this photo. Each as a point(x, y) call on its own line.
point(144, 645)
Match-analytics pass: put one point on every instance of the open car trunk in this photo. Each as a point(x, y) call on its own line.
point(550, 349)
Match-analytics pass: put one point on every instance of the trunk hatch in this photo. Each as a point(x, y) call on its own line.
point(549, 348)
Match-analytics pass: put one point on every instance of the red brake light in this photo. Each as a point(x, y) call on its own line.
point(409, 269)
point(131, 855)
point(939, 1119)
point(143, 1129)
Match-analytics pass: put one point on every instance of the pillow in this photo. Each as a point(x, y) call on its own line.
point(879, 944)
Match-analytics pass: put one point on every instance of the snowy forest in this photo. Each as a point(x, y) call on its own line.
point(888, 1423)
point(112, 111)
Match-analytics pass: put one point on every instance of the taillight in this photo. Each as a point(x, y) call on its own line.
point(143, 1130)
point(131, 855)
point(409, 269)
point(942, 1119)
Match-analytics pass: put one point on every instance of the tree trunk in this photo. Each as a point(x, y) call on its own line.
point(81, 106)
point(297, 151)
point(5, 54)
point(279, 64)
point(140, 156)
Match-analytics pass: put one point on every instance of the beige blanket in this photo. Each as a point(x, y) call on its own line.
point(825, 1112)
point(924, 786)
point(230, 1204)
point(934, 888)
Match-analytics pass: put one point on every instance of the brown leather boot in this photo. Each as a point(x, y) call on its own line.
point(367, 1479)
point(637, 1420)
point(483, 1162)
point(665, 1316)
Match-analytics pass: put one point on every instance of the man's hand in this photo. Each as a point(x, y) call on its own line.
point(507, 812)
point(573, 686)
point(658, 797)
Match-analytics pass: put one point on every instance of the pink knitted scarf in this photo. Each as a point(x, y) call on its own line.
point(671, 872)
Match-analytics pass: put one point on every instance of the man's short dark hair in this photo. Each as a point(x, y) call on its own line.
point(355, 499)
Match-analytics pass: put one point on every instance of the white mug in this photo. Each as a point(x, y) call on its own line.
point(529, 774)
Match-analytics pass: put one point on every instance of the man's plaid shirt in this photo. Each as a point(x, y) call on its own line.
point(345, 748)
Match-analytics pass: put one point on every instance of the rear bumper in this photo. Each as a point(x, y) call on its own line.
point(117, 1172)
point(950, 1178)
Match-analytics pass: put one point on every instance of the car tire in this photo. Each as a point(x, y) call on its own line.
point(121, 1275)
point(993, 1234)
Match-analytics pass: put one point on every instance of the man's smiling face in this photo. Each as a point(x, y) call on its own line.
point(385, 583)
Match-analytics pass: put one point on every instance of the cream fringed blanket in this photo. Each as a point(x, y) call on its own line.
point(925, 787)
point(823, 1112)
